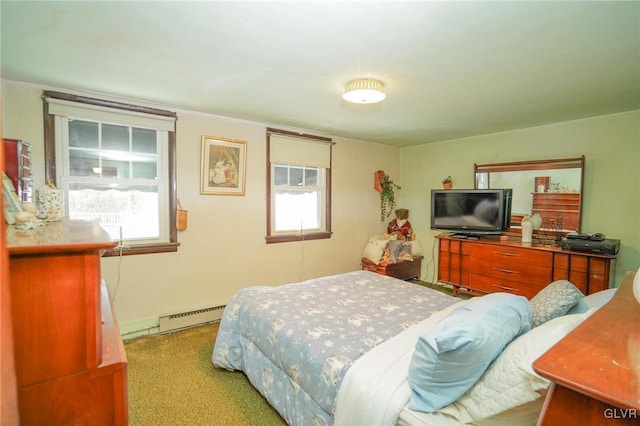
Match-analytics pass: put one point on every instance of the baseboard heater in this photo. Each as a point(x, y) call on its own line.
point(190, 319)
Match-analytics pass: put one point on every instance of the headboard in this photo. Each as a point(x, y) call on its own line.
point(595, 370)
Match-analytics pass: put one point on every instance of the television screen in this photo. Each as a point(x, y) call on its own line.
point(484, 211)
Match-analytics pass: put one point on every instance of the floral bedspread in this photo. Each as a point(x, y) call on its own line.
point(295, 342)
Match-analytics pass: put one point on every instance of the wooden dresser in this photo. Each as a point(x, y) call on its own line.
point(490, 265)
point(70, 363)
point(594, 370)
point(560, 208)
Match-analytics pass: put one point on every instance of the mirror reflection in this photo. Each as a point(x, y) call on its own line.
point(550, 188)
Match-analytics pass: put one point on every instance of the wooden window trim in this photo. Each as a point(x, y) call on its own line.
point(50, 164)
point(270, 239)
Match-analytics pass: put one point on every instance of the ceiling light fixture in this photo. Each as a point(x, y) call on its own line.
point(364, 91)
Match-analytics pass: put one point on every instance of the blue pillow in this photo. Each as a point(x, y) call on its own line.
point(452, 356)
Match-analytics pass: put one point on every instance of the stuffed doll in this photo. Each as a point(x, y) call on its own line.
point(400, 226)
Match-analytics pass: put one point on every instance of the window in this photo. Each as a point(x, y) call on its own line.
point(114, 163)
point(299, 176)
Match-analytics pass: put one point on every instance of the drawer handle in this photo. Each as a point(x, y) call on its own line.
point(506, 271)
point(503, 253)
point(505, 287)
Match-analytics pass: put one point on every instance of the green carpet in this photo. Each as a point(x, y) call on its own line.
point(173, 382)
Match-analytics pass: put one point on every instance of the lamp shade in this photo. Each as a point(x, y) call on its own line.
point(364, 91)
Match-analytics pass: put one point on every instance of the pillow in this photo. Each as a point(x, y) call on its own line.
point(510, 381)
point(594, 300)
point(394, 249)
point(416, 248)
point(451, 356)
point(375, 248)
point(554, 300)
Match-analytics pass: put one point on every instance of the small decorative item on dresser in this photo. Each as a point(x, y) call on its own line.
point(541, 184)
point(447, 183)
point(536, 220)
point(49, 203)
point(527, 229)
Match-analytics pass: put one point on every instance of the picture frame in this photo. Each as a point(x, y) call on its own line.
point(223, 169)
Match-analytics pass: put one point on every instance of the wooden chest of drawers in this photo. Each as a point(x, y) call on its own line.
point(515, 270)
point(562, 209)
point(71, 367)
point(489, 265)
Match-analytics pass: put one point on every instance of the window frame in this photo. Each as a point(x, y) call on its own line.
point(272, 236)
point(318, 189)
point(51, 167)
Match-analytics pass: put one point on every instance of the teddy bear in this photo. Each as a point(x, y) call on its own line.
point(400, 226)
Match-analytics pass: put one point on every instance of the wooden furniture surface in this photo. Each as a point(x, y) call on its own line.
point(8, 391)
point(595, 370)
point(17, 166)
point(70, 363)
point(562, 209)
point(490, 265)
point(404, 269)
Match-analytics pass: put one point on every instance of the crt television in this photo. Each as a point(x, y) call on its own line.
point(471, 211)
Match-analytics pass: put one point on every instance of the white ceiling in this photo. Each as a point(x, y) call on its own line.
point(451, 69)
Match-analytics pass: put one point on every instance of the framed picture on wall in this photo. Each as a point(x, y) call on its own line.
point(223, 168)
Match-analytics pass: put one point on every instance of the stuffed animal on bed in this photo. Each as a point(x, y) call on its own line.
point(400, 226)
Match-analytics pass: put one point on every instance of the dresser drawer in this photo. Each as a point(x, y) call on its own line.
point(508, 257)
point(581, 263)
point(510, 269)
point(539, 276)
point(488, 284)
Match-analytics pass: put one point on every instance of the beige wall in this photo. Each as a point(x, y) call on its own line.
point(611, 145)
point(223, 248)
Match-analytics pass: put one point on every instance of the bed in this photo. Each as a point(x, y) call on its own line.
point(353, 349)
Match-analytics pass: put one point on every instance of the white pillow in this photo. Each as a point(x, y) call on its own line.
point(416, 248)
point(375, 248)
point(510, 380)
point(594, 300)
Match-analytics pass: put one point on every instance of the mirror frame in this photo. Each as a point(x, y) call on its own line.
point(541, 165)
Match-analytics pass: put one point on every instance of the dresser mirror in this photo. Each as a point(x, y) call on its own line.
point(551, 188)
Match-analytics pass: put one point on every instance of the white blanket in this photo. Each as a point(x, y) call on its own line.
point(375, 389)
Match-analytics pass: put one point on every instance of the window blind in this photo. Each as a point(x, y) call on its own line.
point(300, 151)
point(85, 111)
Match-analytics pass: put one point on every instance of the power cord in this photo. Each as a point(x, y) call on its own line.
point(120, 247)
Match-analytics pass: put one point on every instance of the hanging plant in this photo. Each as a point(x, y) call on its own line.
point(387, 195)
